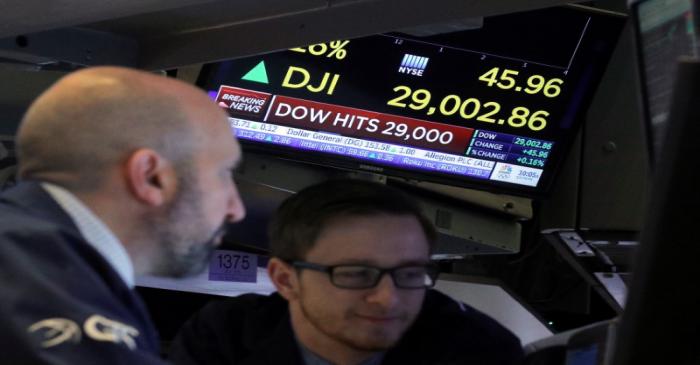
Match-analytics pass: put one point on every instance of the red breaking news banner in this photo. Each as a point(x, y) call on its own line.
point(360, 123)
point(242, 102)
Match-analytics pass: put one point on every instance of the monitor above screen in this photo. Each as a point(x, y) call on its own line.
point(665, 30)
point(494, 108)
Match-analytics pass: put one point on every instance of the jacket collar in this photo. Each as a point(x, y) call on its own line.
point(31, 196)
point(275, 342)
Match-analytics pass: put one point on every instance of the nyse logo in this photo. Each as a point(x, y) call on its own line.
point(413, 65)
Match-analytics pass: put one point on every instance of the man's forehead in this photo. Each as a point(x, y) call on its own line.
point(372, 239)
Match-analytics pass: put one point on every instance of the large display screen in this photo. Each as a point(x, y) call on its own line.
point(493, 108)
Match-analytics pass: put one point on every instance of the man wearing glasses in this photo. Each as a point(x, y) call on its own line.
point(351, 264)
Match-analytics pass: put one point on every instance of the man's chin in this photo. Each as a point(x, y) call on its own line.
point(373, 343)
point(186, 266)
point(377, 332)
point(178, 272)
point(374, 339)
point(192, 270)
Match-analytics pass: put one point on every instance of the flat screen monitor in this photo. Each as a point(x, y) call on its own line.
point(665, 30)
point(494, 108)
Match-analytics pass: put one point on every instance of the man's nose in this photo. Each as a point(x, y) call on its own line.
point(235, 209)
point(385, 293)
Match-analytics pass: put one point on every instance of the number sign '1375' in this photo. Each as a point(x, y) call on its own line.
point(236, 266)
point(229, 261)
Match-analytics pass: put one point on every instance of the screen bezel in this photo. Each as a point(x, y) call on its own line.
point(641, 77)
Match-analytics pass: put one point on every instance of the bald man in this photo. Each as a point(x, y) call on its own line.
point(121, 173)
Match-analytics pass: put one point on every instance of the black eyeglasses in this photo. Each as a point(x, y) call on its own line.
point(365, 277)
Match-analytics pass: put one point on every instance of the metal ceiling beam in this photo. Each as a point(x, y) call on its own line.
point(71, 45)
point(216, 30)
point(31, 16)
point(345, 20)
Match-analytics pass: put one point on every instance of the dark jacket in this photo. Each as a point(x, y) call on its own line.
point(60, 301)
point(254, 329)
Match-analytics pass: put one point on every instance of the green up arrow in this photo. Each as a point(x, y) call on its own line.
point(257, 73)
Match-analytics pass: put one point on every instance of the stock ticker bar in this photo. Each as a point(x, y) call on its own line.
point(367, 150)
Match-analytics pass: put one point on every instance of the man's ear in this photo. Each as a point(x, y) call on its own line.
point(149, 177)
point(284, 277)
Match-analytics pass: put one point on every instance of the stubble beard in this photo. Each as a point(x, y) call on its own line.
point(182, 252)
point(375, 341)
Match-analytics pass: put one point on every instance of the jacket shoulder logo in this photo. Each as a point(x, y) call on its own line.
point(100, 328)
point(56, 331)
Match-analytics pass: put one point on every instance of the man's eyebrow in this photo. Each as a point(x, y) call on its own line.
point(361, 262)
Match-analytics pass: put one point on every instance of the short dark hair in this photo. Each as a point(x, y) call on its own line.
point(300, 219)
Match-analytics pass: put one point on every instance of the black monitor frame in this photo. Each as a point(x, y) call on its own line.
point(590, 66)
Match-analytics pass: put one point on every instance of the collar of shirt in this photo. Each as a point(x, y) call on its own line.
point(95, 232)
